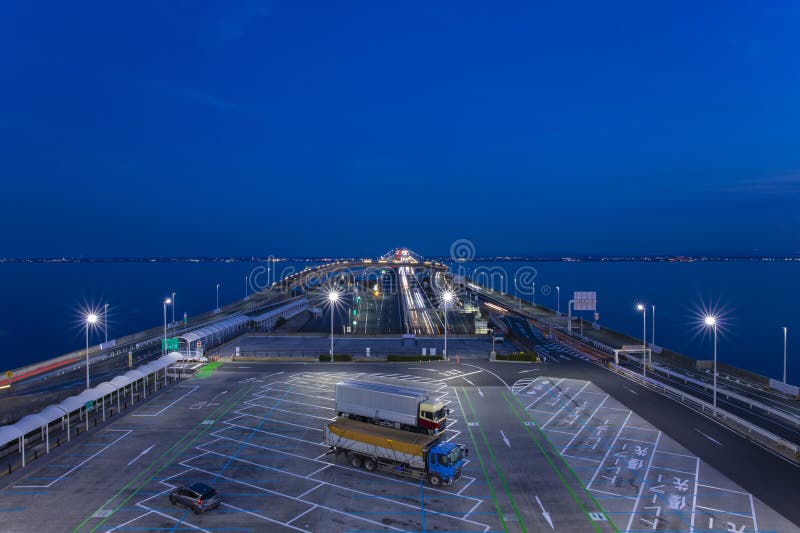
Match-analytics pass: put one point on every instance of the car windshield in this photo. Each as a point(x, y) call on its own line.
point(439, 414)
point(454, 455)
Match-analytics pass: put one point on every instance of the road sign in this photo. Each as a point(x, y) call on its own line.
point(199, 344)
point(89, 405)
point(9, 373)
point(584, 301)
point(170, 345)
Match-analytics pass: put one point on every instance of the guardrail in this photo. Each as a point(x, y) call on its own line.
point(704, 406)
point(727, 393)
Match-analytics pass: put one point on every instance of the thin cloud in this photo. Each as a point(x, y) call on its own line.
point(781, 184)
point(191, 95)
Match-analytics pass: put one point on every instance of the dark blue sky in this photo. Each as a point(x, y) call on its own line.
point(291, 127)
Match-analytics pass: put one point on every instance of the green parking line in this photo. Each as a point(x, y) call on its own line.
point(496, 466)
point(516, 409)
point(483, 467)
point(199, 430)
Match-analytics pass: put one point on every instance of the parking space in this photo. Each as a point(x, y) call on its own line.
point(267, 458)
point(642, 478)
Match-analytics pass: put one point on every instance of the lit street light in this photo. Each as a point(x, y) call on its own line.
point(643, 309)
point(447, 297)
point(166, 303)
point(711, 322)
point(333, 297)
point(91, 320)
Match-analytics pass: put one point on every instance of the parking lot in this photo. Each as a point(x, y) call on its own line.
point(548, 454)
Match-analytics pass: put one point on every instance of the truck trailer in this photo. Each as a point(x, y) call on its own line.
point(404, 453)
point(391, 405)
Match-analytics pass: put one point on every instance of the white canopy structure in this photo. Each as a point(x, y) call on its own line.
point(81, 403)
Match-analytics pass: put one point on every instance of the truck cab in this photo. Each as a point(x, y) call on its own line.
point(445, 462)
point(433, 416)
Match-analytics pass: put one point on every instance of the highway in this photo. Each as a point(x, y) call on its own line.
point(786, 424)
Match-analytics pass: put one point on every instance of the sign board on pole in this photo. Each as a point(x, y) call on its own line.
point(584, 301)
point(199, 344)
point(170, 345)
point(89, 405)
point(9, 373)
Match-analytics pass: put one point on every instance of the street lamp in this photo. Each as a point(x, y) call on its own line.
point(91, 320)
point(711, 322)
point(558, 300)
point(447, 297)
point(653, 327)
point(217, 307)
point(333, 297)
point(105, 321)
point(245, 287)
point(173, 308)
point(643, 309)
point(784, 354)
point(166, 303)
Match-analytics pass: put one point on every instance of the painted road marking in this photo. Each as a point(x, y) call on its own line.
point(545, 513)
point(68, 472)
point(505, 439)
point(137, 458)
point(631, 390)
point(171, 404)
point(709, 437)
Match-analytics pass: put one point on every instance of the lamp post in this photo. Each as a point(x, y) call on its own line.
point(217, 307)
point(105, 321)
point(166, 303)
point(711, 321)
point(91, 320)
point(245, 286)
point(785, 330)
point(643, 309)
point(447, 297)
point(533, 294)
point(558, 300)
point(653, 337)
point(333, 297)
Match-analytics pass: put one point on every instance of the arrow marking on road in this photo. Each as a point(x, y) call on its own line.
point(505, 439)
point(524, 371)
point(480, 392)
point(218, 395)
point(141, 454)
point(631, 391)
point(709, 437)
point(471, 383)
point(545, 513)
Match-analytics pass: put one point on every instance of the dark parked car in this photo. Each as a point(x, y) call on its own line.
point(198, 497)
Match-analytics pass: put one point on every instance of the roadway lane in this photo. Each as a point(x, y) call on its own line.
point(534, 488)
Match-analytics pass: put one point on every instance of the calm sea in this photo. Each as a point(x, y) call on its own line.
point(40, 307)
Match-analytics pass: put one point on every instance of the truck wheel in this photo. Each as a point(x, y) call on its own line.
point(435, 480)
point(369, 464)
point(356, 461)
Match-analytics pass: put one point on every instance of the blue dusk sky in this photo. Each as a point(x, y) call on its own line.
point(347, 128)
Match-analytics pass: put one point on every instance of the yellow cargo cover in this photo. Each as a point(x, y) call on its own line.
point(386, 437)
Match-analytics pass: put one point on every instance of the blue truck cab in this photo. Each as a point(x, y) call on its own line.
point(445, 462)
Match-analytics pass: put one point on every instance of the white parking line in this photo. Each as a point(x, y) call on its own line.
point(68, 472)
point(643, 483)
point(173, 403)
